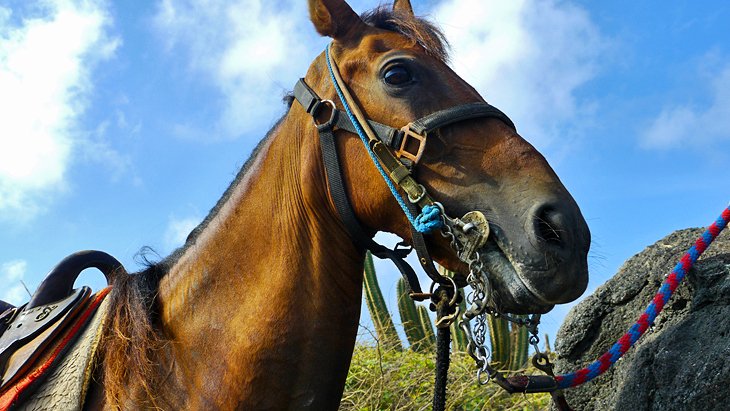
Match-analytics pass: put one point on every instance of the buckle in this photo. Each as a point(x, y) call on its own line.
point(407, 147)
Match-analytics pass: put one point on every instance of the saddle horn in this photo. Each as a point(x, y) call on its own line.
point(59, 282)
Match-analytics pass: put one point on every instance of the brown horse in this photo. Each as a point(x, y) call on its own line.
point(260, 308)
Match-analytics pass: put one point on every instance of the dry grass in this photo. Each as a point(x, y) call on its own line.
point(392, 380)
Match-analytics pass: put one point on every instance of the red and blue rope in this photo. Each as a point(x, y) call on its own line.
point(655, 307)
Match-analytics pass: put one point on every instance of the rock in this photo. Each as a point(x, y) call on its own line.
point(680, 362)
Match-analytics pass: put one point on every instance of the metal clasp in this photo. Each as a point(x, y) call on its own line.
point(409, 137)
point(472, 231)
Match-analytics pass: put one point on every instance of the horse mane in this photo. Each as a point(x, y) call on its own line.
point(134, 349)
point(132, 344)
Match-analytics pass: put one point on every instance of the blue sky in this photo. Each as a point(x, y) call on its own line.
point(121, 123)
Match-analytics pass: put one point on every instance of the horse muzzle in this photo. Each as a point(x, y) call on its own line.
point(543, 263)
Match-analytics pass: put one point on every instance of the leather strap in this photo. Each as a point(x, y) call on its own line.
point(330, 157)
point(456, 114)
point(312, 104)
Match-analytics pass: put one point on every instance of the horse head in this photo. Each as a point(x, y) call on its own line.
point(395, 65)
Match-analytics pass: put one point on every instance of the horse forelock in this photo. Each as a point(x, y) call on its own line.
point(419, 30)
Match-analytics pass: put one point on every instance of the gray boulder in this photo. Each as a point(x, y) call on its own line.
point(681, 363)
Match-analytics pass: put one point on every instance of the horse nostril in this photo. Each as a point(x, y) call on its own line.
point(549, 226)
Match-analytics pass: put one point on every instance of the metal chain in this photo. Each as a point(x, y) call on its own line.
point(481, 303)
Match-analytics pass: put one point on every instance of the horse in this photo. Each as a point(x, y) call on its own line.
point(260, 308)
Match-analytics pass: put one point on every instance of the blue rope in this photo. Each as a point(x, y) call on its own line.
point(430, 217)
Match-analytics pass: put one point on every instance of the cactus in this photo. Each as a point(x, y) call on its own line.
point(500, 341)
point(410, 319)
point(384, 328)
point(509, 348)
point(430, 339)
point(520, 342)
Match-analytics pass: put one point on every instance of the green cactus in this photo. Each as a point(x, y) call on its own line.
point(500, 341)
point(519, 347)
point(410, 319)
point(509, 347)
point(384, 327)
point(430, 339)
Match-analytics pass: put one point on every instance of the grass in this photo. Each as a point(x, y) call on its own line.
point(382, 379)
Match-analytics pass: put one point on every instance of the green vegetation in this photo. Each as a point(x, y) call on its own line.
point(381, 379)
point(510, 344)
point(425, 320)
point(386, 377)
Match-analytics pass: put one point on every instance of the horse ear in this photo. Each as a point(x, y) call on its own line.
point(403, 6)
point(335, 18)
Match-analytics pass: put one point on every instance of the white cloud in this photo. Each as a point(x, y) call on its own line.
point(251, 50)
point(527, 57)
point(46, 55)
point(685, 126)
point(11, 274)
point(522, 55)
point(178, 229)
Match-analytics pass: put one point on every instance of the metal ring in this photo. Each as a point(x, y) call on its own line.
point(481, 381)
point(333, 113)
point(453, 285)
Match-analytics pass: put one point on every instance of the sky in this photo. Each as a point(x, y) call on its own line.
point(122, 122)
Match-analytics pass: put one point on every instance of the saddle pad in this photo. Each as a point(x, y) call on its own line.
point(61, 380)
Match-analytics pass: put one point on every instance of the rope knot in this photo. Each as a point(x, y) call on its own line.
point(429, 219)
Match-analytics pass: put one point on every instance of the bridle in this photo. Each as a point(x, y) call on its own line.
point(395, 151)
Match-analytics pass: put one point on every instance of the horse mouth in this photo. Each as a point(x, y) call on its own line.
point(511, 293)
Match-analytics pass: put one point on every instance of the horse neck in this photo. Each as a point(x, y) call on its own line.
point(269, 294)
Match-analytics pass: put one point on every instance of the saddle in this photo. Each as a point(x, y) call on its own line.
point(35, 336)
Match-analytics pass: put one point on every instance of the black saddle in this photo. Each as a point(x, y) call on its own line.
point(26, 330)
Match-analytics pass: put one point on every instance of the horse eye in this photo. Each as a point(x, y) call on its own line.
point(397, 76)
